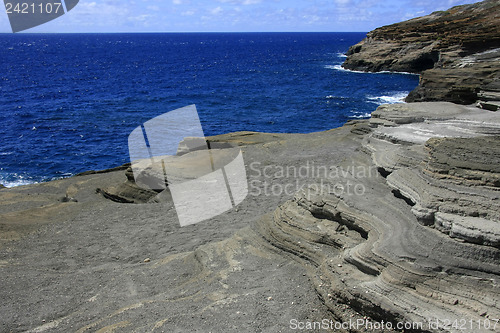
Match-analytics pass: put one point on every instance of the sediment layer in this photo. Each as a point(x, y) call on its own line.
point(391, 219)
point(456, 52)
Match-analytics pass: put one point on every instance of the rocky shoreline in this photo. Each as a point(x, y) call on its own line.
point(385, 224)
point(404, 227)
point(456, 52)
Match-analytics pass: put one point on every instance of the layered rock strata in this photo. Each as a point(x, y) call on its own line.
point(393, 219)
point(422, 244)
point(455, 51)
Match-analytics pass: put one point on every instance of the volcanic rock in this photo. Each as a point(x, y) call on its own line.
point(392, 219)
point(457, 52)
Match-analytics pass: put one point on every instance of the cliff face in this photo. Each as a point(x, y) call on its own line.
point(457, 52)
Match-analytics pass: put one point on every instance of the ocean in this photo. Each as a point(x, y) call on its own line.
point(69, 101)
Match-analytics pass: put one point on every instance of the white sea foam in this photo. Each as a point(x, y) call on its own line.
point(340, 98)
point(13, 180)
point(331, 97)
point(397, 97)
point(359, 115)
point(394, 98)
point(20, 180)
point(17, 182)
point(392, 72)
point(341, 55)
point(340, 68)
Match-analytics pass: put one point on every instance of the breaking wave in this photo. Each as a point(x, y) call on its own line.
point(394, 98)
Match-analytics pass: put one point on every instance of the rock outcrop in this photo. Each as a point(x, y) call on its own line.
point(457, 53)
point(422, 244)
point(382, 225)
point(445, 165)
point(389, 220)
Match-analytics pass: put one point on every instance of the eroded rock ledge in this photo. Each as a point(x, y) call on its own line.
point(423, 243)
point(457, 53)
point(419, 243)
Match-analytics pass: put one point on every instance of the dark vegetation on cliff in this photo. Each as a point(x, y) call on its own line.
point(457, 53)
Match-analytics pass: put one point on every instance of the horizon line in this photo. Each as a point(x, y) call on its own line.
point(177, 32)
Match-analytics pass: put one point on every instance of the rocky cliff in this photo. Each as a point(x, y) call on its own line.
point(394, 219)
point(457, 53)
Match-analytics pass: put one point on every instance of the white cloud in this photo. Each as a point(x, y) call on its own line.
point(93, 16)
point(94, 8)
point(241, 2)
point(216, 11)
point(238, 15)
point(140, 18)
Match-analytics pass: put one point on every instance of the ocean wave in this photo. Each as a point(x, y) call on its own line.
point(359, 115)
point(337, 97)
point(394, 98)
point(15, 179)
point(341, 55)
point(18, 182)
point(340, 68)
point(393, 72)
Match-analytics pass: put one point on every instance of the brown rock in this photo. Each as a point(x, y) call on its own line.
point(447, 48)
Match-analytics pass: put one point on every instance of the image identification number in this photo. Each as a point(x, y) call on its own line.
point(31, 8)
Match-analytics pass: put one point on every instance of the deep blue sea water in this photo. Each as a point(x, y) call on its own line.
point(69, 101)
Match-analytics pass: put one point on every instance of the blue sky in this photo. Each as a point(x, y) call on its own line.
point(236, 15)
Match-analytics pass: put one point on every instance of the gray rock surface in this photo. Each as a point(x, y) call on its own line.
point(391, 219)
point(444, 166)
